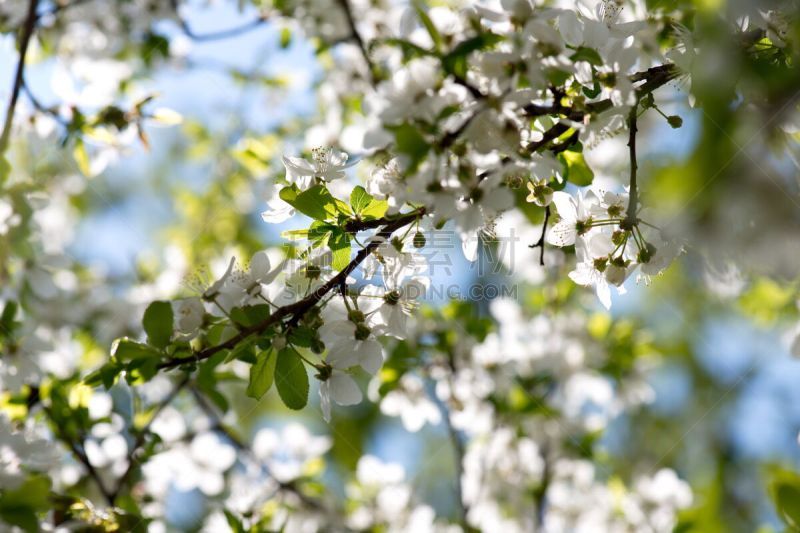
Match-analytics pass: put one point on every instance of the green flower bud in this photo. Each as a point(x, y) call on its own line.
point(675, 121)
point(355, 316)
point(317, 346)
point(362, 332)
point(392, 298)
point(419, 240)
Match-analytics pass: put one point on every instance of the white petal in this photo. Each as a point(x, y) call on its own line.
point(604, 293)
point(469, 245)
point(570, 28)
point(341, 355)
point(370, 355)
point(325, 400)
point(344, 389)
point(259, 265)
point(562, 234)
point(565, 205)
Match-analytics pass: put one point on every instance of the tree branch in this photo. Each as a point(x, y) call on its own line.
point(24, 40)
point(297, 309)
point(79, 453)
point(634, 190)
point(540, 242)
point(458, 446)
point(219, 34)
point(142, 435)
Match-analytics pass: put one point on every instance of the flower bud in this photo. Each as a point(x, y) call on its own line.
point(675, 121)
point(419, 240)
point(362, 332)
point(355, 316)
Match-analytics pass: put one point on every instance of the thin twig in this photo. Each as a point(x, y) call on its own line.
point(634, 190)
point(24, 41)
point(458, 448)
point(540, 242)
point(356, 37)
point(142, 436)
point(219, 34)
point(79, 453)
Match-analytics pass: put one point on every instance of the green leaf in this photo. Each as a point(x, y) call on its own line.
point(82, 158)
point(455, 62)
point(436, 37)
point(359, 199)
point(286, 37)
point(556, 76)
point(291, 379)
point(340, 247)
point(241, 349)
point(787, 502)
point(409, 49)
point(365, 205)
point(302, 336)
point(317, 202)
point(234, 523)
point(7, 324)
point(157, 323)
point(589, 55)
point(262, 374)
point(128, 350)
point(19, 506)
point(376, 209)
point(576, 171)
point(105, 375)
point(250, 315)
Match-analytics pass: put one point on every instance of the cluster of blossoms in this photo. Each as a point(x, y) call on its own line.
point(609, 244)
point(525, 398)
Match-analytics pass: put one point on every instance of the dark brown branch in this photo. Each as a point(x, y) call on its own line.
point(24, 40)
point(540, 242)
point(653, 79)
point(634, 190)
point(354, 226)
point(297, 309)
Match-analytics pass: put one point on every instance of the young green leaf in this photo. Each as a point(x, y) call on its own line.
point(127, 350)
point(291, 379)
point(262, 374)
point(316, 202)
point(436, 37)
point(157, 323)
point(359, 199)
point(576, 171)
point(340, 247)
point(365, 205)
